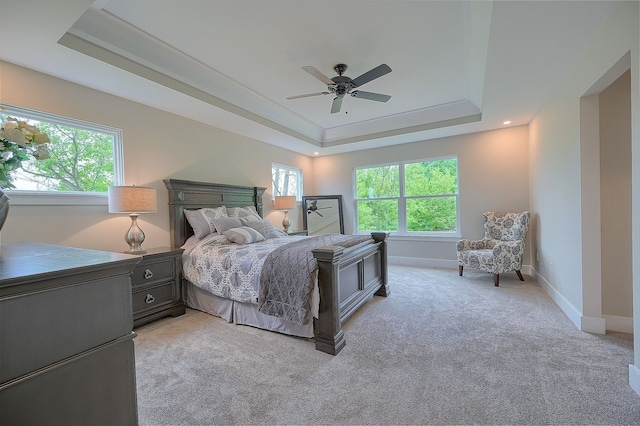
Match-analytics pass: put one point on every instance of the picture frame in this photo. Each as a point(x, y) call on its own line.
point(322, 214)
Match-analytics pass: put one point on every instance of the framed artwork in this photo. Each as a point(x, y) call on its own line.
point(322, 214)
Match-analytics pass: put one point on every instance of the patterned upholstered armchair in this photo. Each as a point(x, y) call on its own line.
point(501, 249)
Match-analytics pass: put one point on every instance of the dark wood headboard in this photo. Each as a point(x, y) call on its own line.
point(190, 195)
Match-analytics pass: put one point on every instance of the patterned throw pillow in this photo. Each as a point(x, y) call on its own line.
point(224, 223)
point(201, 220)
point(249, 213)
point(243, 235)
point(262, 226)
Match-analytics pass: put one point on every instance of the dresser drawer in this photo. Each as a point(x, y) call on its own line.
point(148, 272)
point(40, 328)
point(151, 297)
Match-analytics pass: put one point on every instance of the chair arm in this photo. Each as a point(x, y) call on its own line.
point(513, 246)
point(508, 256)
point(464, 244)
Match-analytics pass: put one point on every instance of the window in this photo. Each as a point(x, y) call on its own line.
point(84, 157)
point(286, 181)
point(408, 197)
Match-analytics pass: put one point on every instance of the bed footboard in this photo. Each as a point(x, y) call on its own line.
point(345, 282)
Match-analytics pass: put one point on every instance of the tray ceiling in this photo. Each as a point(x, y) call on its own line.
point(458, 66)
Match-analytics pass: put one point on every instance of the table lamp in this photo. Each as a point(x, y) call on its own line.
point(285, 203)
point(133, 200)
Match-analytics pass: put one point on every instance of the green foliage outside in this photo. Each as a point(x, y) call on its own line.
point(430, 192)
point(80, 160)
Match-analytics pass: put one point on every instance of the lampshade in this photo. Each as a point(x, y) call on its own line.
point(132, 199)
point(285, 202)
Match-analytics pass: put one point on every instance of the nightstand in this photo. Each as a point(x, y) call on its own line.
point(157, 285)
point(302, 232)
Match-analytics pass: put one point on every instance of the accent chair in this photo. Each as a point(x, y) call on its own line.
point(502, 248)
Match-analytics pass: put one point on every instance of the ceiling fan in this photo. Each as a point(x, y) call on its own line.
point(342, 85)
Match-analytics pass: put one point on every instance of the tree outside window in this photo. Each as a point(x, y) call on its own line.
point(286, 181)
point(408, 197)
point(82, 157)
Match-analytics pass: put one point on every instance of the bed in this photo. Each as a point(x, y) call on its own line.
point(346, 277)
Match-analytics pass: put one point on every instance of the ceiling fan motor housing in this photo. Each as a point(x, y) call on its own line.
point(342, 85)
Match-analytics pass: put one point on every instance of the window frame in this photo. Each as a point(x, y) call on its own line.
point(402, 232)
point(68, 198)
point(297, 170)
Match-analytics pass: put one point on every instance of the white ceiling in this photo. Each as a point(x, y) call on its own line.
point(458, 66)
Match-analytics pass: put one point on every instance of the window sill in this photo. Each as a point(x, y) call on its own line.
point(36, 198)
point(394, 236)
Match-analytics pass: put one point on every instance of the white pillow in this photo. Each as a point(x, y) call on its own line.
point(201, 220)
point(262, 226)
point(243, 235)
point(224, 223)
point(248, 213)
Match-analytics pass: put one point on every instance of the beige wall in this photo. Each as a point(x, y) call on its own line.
point(493, 169)
point(157, 145)
point(615, 197)
point(560, 184)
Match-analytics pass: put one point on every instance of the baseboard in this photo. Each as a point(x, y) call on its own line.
point(619, 324)
point(572, 313)
point(587, 324)
point(634, 378)
point(421, 262)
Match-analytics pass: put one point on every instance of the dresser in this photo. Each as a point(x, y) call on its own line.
point(157, 286)
point(66, 340)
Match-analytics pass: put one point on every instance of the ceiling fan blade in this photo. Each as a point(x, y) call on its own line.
point(307, 95)
point(370, 96)
point(378, 71)
point(317, 74)
point(337, 104)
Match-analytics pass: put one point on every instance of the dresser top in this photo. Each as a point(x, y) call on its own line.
point(21, 262)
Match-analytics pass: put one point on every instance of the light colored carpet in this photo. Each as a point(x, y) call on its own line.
point(440, 349)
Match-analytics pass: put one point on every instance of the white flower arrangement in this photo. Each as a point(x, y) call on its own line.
point(18, 141)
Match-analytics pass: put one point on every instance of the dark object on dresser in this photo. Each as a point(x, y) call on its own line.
point(66, 340)
point(345, 280)
point(156, 285)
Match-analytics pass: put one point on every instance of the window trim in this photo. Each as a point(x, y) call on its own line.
point(402, 233)
point(299, 188)
point(68, 198)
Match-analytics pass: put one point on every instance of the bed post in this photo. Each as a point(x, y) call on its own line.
point(381, 237)
point(328, 330)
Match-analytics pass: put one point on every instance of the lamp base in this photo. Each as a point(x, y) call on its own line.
point(134, 236)
point(286, 223)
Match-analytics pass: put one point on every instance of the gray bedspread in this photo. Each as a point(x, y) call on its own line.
point(288, 276)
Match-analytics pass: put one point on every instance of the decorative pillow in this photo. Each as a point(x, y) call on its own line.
point(201, 220)
point(243, 235)
point(248, 212)
point(262, 226)
point(224, 223)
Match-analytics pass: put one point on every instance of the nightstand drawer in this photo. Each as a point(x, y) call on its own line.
point(151, 297)
point(156, 283)
point(150, 272)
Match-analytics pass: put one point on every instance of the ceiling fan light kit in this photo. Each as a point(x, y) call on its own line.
point(342, 85)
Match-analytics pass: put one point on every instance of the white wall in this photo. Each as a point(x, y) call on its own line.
point(615, 199)
point(493, 169)
point(157, 145)
point(557, 190)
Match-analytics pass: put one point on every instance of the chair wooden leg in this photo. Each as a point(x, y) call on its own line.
point(519, 275)
point(496, 279)
point(460, 269)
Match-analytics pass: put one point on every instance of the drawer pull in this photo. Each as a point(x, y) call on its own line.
point(148, 274)
point(149, 298)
